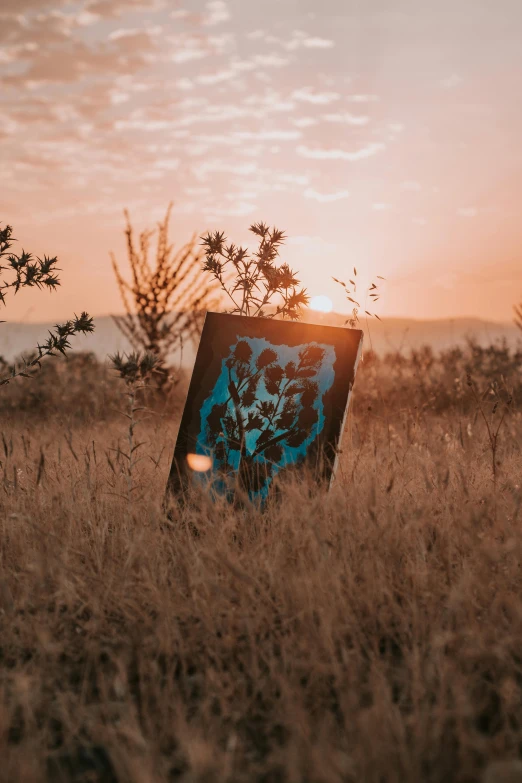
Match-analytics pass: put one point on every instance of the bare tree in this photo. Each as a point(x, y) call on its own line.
point(165, 300)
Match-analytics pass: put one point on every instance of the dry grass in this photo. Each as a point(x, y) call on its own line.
point(371, 634)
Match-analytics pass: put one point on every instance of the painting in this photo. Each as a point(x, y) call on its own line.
point(266, 396)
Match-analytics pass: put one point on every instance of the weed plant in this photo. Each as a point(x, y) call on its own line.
point(254, 283)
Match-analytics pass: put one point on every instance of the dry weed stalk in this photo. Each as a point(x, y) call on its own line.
point(372, 292)
point(136, 371)
point(165, 301)
point(253, 283)
point(493, 427)
point(518, 315)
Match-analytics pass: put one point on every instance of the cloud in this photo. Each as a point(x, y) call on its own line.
point(336, 154)
point(306, 95)
point(21, 7)
point(86, 19)
point(238, 137)
point(113, 8)
point(185, 84)
point(304, 122)
point(268, 135)
point(300, 40)
point(11, 28)
point(216, 13)
point(143, 125)
point(451, 81)
point(326, 197)
point(362, 98)
point(8, 126)
point(318, 43)
point(270, 100)
point(110, 92)
point(270, 60)
point(409, 184)
point(236, 67)
point(294, 179)
point(123, 33)
point(7, 57)
point(180, 13)
point(184, 47)
point(171, 164)
point(216, 77)
point(31, 32)
point(69, 63)
point(202, 170)
point(185, 56)
point(346, 118)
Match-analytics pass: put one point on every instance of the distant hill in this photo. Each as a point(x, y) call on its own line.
point(403, 334)
point(18, 337)
point(391, 334)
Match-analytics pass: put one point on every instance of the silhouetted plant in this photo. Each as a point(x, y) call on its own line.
point(274, 404)
point(255, 282)
point(28, 272)
point(372, 291)
point(165, 301)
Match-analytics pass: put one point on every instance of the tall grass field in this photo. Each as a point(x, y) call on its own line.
point(371, 634)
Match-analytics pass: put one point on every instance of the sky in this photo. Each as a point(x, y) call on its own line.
point(380, 134)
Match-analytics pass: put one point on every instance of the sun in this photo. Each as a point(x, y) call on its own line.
point(321, 303)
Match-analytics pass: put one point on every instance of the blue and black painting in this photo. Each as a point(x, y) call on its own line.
point(264, 411)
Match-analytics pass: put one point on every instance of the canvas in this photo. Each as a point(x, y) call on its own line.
point(266, 396)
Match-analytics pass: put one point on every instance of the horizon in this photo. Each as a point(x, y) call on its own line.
point(391, 335)
point(306, 312)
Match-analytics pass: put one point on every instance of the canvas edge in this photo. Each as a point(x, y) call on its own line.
point(291, 323)
point(170, 490)
point(346, 410)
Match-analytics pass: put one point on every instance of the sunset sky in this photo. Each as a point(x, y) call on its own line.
point(385, 134)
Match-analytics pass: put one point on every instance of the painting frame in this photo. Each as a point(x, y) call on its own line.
point(311, 378)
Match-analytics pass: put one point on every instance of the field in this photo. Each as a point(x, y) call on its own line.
point(372, 634)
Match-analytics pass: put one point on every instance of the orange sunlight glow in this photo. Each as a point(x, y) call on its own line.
point(200, 463)
point(321, 303)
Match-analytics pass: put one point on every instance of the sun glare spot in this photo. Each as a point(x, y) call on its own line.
point(323, 304)
point(200, 463)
